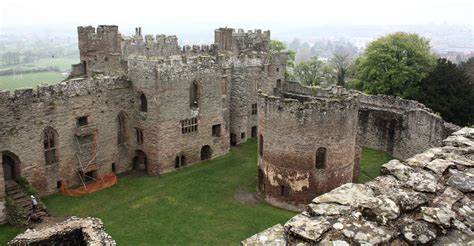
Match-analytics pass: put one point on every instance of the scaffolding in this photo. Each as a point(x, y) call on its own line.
point(87, 163)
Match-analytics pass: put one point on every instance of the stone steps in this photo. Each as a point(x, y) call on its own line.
point(23, 201)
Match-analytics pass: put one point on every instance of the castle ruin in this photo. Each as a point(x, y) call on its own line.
point(136, 103)
point(145, 103)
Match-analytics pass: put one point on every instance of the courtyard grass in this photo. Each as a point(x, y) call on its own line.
point(371, 162)
point(192, 206)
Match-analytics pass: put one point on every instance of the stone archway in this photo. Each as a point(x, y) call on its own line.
point(206, 152)
point(10, 165)
point(140, 161)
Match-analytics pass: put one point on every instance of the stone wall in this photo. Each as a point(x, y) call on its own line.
point(27, 113)
point(399, 127)
point(291, 133)
point(424, 200)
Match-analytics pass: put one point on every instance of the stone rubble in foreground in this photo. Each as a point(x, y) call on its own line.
point(73, 231)
point(426, 199)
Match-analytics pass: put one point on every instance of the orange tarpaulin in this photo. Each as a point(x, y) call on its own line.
point(107, 182)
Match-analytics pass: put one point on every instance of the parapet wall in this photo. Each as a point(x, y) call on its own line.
point(226, 39)
point(150, 46)
point(292, 132)
point(63, 90)
point(397, 126)
point(424, 200)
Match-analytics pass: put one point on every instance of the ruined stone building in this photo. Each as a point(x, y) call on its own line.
point(139, 102)
point(310, 138)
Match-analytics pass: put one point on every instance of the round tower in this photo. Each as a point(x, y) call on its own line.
point(306, 147)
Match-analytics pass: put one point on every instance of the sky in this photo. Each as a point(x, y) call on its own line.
point(200, 15)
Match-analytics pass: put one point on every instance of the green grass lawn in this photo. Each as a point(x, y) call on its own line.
point(195, 205)
point(8, 232)
point(61, 63)
point(371, 162)
point(10, 82)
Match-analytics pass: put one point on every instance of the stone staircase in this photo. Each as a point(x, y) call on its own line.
point(22, 203)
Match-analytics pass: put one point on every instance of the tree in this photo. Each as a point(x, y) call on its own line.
point(341, 61)
point(395, 64)
point(447, 90)
point(279, 46)
point(468, 68)
point(313, 72)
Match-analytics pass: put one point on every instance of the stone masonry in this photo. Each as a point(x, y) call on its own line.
point(136, 103)
point(423, 200)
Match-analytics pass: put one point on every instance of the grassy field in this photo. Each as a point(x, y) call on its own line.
point(10, 82)
point(195, 205)
point(372, 161)
point(61, 63)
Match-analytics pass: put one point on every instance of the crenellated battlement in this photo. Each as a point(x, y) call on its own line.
point(63, 90)
point(227, 39)
point(299, 103)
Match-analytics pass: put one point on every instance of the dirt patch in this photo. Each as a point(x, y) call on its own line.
point(245, 197)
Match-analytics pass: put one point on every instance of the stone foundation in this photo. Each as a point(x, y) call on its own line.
point(73, 231)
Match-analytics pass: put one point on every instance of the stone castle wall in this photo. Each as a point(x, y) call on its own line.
point(397, 126)
point(291, 132)
point(27, 113)
point(423, 200)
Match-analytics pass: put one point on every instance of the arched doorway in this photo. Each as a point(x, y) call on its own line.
point(140, 161)
point(10, 165)
point(206, 152)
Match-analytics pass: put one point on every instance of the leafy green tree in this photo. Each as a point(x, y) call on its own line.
point(447, 90)
point(341, 61)
point(468, 68)
point(395, 64)
point(278, 46)
point(314, 72)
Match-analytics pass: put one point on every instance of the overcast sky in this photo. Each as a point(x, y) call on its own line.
point(180, 14)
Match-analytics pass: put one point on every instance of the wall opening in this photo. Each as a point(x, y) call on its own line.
point(84, 67)
point(278, 83)
point(82, 121)
point(216, 130)
point(114, 168)
point(189, 125)
point(183, 160)
point(233, 139)
point(254, 131)
point(206, 152)
point(59, 184)
point(260, 145)
point(321, 158)
point(10, 165)
point(139, 135)
point(50, 145)
point(254, 108)
point(284, 190)
point(180, 161)
point(140, 161)
point(143, 103)
point(194, 97)
point(242, 135)
point(121, 128)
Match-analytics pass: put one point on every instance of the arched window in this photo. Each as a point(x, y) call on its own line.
point(121, 128)
point(194, 98)
point(143, 103)
point(321, 158)
point(50, 145)
point(260, 145)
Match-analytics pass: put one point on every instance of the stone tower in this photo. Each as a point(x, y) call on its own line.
point(307, 146)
